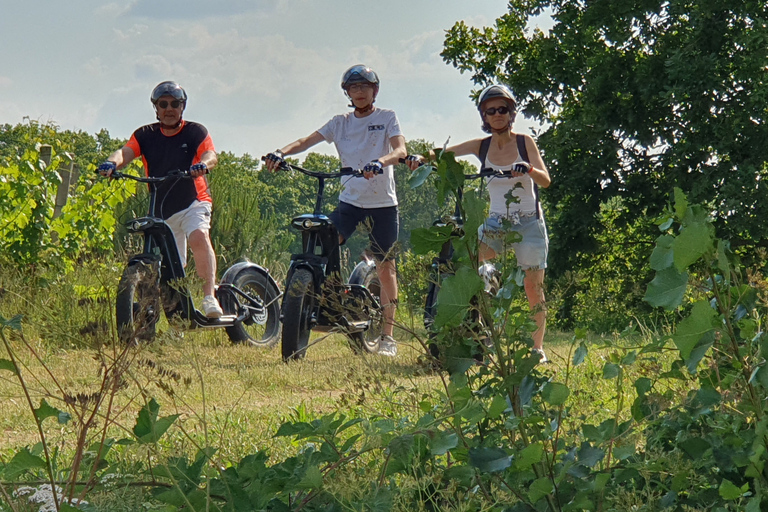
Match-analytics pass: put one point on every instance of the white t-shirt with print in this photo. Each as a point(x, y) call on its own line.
point(360, 141)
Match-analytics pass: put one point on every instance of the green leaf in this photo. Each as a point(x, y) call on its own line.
point(46, 411)
point(313, 479)
point(149, 429)
point(667, 289)
point(419, 176)
point(5, 364)
point(454, 296)
point(555, 393)
point(540, 488)
point(696, 327)
point(426, 240)
point(681, 203)
point(692, 243)
point(729, 491)
point(489, 460)
point(529, 455)
point(611, 371)
point(590, 455)
point(663, 254)
point(498, 406)
point(22, 462)
point(580, 354)
point(14, 323)
point(474, 213)
point(694, 447)
point(443, 441)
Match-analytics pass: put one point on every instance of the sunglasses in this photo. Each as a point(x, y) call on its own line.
point(493, 110)
point(164, 104)
point(359, 87)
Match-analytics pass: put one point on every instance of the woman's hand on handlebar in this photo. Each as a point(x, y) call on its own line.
point(414, 161)
point(274, 161)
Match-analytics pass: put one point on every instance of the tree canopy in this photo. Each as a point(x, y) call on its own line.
point(636, 98)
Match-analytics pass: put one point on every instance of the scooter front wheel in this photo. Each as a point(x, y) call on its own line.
point(298, 303)
point(138, 304)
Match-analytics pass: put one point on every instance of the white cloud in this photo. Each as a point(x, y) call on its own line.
point(259, 73)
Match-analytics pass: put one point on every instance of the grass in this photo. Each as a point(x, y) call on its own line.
point(237, 396)
point(232, 397)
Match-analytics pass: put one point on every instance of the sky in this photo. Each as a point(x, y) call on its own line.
point(259, 73)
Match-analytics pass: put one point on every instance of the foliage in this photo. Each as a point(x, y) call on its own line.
point(635, 98)
point(242, 226)
point(502, 433)
point(31, 233)
point(605, 290)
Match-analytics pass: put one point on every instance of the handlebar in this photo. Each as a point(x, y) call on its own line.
point(176, 173)
point(485, 172)
point(344, 171)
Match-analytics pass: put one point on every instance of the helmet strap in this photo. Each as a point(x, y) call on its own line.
point(363, 110)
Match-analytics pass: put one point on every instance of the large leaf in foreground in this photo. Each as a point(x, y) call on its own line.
point(667, 288)
point(454, 296)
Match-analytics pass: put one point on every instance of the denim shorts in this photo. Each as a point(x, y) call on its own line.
point(381, 224)
point(530, 251)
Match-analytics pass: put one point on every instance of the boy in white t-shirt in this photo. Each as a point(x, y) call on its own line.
point(367, 138)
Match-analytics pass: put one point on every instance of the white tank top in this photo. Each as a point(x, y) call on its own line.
point(523, 188)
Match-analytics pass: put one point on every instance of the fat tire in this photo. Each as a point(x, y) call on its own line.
point(137, 307)
point(367, 342)
point(256, 283)
point(298, 303)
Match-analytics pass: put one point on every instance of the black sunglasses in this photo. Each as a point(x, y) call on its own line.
point(501, 110)
point(164, 104)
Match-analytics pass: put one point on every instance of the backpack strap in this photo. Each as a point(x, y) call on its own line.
point(484, 145)
point(521, 147)
point(524, 155)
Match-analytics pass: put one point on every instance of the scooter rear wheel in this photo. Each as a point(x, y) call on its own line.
point(261, 332)
point(298, 303)
point(138, 304)
point(368, 341)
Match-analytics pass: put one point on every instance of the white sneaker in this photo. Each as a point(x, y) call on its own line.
point(543, 357)
point(387, 346)
point(211, 307)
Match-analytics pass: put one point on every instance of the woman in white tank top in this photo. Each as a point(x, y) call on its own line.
point(507, 150)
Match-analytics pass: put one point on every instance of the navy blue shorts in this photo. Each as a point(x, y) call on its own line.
point(381, 224)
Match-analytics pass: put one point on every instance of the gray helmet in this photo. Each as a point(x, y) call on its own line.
point(496, 91)
point(359, 74)
point(493, 92)
point(168, 88)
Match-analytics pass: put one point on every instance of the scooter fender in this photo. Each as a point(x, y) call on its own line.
point(317, 273)
point(231, 273)
point(361, 271)
point(150, 260)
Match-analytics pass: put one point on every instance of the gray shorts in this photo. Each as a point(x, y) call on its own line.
point(525, 235)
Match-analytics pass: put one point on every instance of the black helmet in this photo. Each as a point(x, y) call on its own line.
point(496, 91)
point(168, 88)
point(359, 74)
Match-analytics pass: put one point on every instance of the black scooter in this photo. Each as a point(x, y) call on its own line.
point(247, 292)
point(315, 298)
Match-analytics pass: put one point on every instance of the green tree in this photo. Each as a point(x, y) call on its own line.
point(636, 97)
